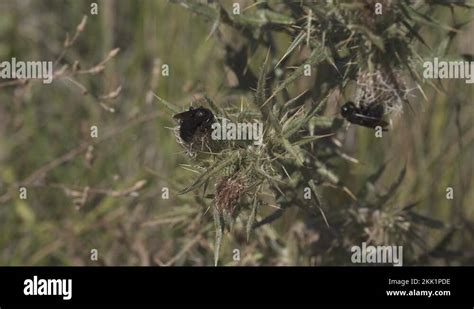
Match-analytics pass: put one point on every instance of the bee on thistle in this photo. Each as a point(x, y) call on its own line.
point(193, 122)
point(194, 130)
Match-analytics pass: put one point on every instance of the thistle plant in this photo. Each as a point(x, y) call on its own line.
point(111, 172)
point(332, 50)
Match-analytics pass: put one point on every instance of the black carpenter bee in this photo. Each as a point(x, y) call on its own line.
point(369, 116)
point(193, 121)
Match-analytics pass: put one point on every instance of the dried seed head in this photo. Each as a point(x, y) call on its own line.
point(387, 227)
point(228, 193)
point(380, 89)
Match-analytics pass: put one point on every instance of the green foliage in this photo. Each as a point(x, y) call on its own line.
point(107, 193)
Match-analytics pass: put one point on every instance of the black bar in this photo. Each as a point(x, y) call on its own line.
point(239, 285)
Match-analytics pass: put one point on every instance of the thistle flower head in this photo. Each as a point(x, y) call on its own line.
point(229, 190)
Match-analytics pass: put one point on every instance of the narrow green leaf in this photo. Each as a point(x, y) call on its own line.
point(390, 192)
point(308, 139)
point(253, 213)
point(370, 182)
point(219, 234)
point(429, 222)
point(170, 106)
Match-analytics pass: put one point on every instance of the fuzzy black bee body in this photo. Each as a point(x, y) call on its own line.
point(192, 121)
point(368, 116)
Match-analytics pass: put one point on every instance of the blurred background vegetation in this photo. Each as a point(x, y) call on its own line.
point(106, 193)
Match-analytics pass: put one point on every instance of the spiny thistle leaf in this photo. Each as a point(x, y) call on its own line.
point(210, 172)
point(377, 40)
point(297, 124)
point(296, 42)
point(262, 17)
point(199, 8)
point(317, 55)
point(293, 150)
point(266, 111)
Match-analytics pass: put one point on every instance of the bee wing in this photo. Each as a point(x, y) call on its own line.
point(187, 130)
point(374, 120)
point(365, 116)
point(183, 115)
